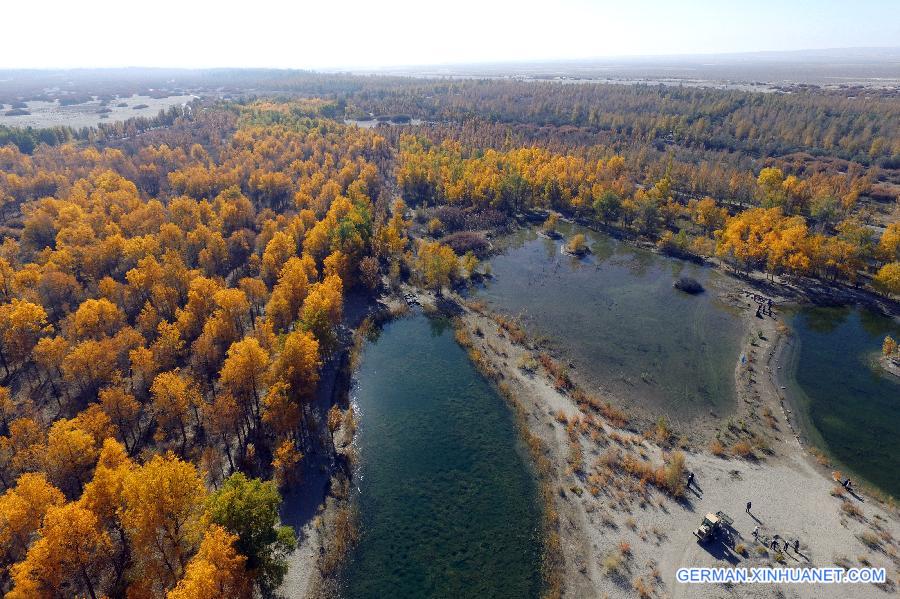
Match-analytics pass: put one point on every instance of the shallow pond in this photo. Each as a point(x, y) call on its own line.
point(615, 315)
point(846, 403)
point(448, 502)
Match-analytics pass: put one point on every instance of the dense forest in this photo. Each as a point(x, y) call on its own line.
point(173, 290)
point(166, 314)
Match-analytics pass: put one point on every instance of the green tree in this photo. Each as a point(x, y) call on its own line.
point(249, 508)
point(608, 206)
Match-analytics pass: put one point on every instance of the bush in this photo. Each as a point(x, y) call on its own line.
point(467, 241)
point(612, 563)
point(716, 448)
point(742, 449)
point(870, 539)
point(577, 245)
point(849, 508)
point(527, 363)
point(454, 218)
point(674, 481)
point(643, 590)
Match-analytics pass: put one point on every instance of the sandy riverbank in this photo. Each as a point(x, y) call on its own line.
point(624, 537)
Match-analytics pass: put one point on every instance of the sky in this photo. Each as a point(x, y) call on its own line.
point(373, 33)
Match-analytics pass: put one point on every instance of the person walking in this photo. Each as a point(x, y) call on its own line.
point(756, 532)
point(748, 507)
point(796, 545)
point(690, 479)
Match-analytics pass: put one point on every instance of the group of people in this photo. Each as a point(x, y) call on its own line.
point(764, 304)
point(779, 544)
point(764, 307)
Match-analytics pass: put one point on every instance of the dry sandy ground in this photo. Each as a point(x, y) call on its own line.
point(791, 494)
point(303, 576)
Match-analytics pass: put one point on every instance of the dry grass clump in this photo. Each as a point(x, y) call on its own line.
point(476, 305)
point(511, 328)
point(527, 363)
point(668, 477)
point(558, 373)
point(716, 448)
point(870, 539)
point(613, 563)
point(849, 508)
point(742, 449)
point(642, 588)
point(462, 336)
point(662, 432)
point(342, 536)
point(613, 415)
point(740, 549)
point(576, 456)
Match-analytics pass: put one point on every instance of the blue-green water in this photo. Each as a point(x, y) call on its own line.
point(448, 502)
point(615, 315)
point(847, 404)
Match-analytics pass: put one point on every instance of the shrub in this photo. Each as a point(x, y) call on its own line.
point(612, 563)
point(742, 449)
point(577, 245)
point(643, 590)
point(576, 456)
point(527, 363)
point(435, 226)
point(740, 549)
point(454, 218)
point(870, 539)
point(558, 373)
point(512, 328)
point(849, 508)
point(716, 448)
point(662, 432)
point(467, 241)
point(674, 473)
point(344, 534)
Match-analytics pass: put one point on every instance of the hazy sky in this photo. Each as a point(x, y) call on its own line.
point(357, 33)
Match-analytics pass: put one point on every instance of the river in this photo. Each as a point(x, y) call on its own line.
point(447, 497)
